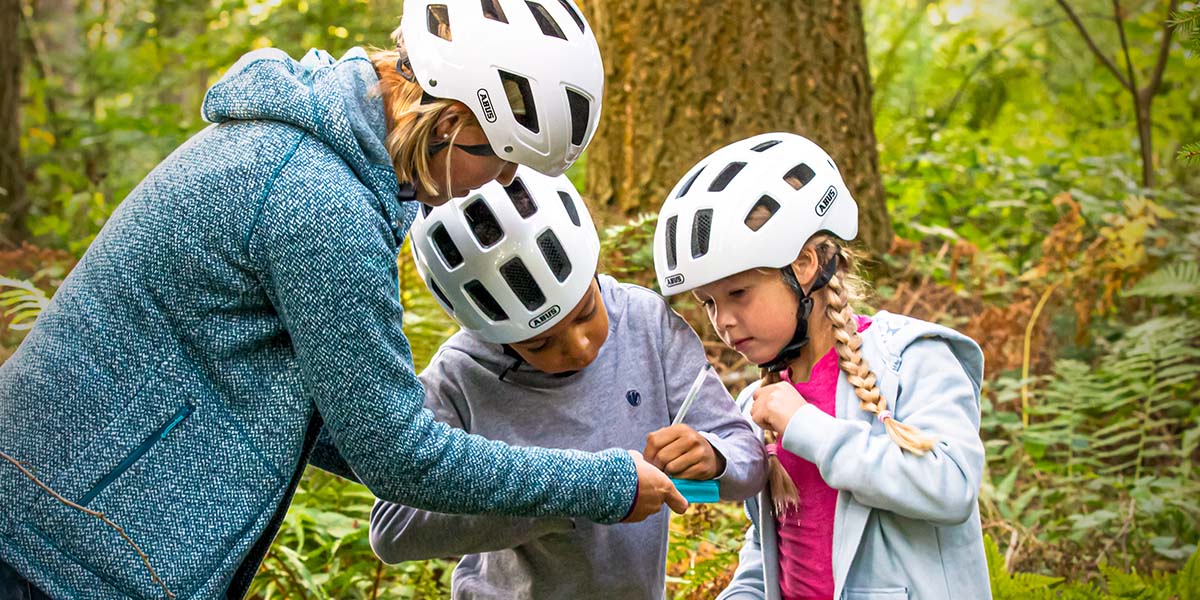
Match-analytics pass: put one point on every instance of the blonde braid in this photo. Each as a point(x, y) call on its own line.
point(849, 344)
point(784, 495)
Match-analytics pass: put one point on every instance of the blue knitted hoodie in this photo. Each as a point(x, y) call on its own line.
point(243, 293)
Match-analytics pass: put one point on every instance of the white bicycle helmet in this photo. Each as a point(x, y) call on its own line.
point(702, 233)
point(508, 262)
point(541, 51)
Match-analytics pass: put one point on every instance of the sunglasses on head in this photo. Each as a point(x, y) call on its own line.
point(472, 149)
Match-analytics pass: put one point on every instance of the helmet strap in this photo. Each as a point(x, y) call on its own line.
point(517, 360)
point(803, 311)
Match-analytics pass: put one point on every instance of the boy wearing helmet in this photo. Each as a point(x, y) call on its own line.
point(551, 354)
point(245, 294)
point(874, 480)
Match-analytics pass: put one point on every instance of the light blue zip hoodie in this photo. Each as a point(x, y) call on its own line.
point(244, 293)
point(906, 527)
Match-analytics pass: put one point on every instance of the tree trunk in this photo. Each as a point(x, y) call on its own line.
point(685, 78)
point(12, 172)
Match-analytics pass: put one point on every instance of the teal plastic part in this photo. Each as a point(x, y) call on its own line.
point(698, 491)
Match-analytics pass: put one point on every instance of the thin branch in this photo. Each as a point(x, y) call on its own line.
point(1161, 65)
point(38, 54)
point(887, 67)
point(1119, 19)
point(378, 577)
point(99, 515)
point(1025, 355)
point(943, 113)
point(1087, 37)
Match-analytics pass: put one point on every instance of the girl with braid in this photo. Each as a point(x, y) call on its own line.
point(872, 423)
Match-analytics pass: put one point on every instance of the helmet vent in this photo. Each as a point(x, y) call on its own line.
point(483, 223)
point(441, 295)
point(521, 199)
point(522, 284)
point(520, 100)
point(701, 228)
point(765, 145)
point(799, 176)
point(492, 10)
point(727, 174)
point(545, 21)
point(579, 106)
point(762, 212)
point(574, 13)
point(687, 186)
point(569, 204)
point(671, 224)
point(445, 246)
point(553, 252)
point(484, 300)
point(437, 20)
point(426, 209)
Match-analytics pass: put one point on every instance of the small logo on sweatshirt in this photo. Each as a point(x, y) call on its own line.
point(826, 201)
point(633, 397)
point(675, 280)
point(541, 319)
point(485, 102)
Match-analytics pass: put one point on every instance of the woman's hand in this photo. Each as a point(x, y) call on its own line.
point(654, 490)
point(681, 451)
point(774, 406)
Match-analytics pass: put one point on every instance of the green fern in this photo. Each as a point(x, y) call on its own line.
point(1115, 444)
point(1179, 280)
point(1189, 154)
point(1187, 26)
point(1014, 586)
point(1188, 585)
point(23, 302)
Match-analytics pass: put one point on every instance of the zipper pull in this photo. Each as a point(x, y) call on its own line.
point(183, 414)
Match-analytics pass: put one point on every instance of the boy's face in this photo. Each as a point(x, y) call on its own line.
point(574, 342)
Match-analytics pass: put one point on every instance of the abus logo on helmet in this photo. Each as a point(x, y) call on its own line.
point(826, 201)
point(674, 280)
point(541, 319)
point(485, 102)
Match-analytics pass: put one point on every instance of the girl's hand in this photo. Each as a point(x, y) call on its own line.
point(682, 452)
point(654, 490)
point(774, 406)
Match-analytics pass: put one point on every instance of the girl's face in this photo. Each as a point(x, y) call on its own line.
point(574, 342)
point(472, 162)
point(753, 312)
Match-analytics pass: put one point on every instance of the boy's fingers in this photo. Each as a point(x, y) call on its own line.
point(694, 472)
point(694, 457)
point(649, 451)
point(673, 452)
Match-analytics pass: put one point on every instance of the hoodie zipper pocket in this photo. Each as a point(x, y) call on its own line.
point(153, 438)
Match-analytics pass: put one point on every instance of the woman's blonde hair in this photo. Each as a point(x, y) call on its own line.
point(844, 287)
point(411, 123)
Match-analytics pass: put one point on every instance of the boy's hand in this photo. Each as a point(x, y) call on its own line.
point(774, 406)
point(682, 452)
point(654, 490)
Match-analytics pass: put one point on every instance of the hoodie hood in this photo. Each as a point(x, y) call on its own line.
point(337, 102)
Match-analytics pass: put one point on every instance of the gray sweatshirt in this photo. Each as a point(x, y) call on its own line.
point(634, 386)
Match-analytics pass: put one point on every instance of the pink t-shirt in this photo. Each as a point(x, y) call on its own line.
point(806, 533)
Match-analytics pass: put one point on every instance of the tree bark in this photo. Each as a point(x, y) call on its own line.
point(12, 172)
point(685, 78)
